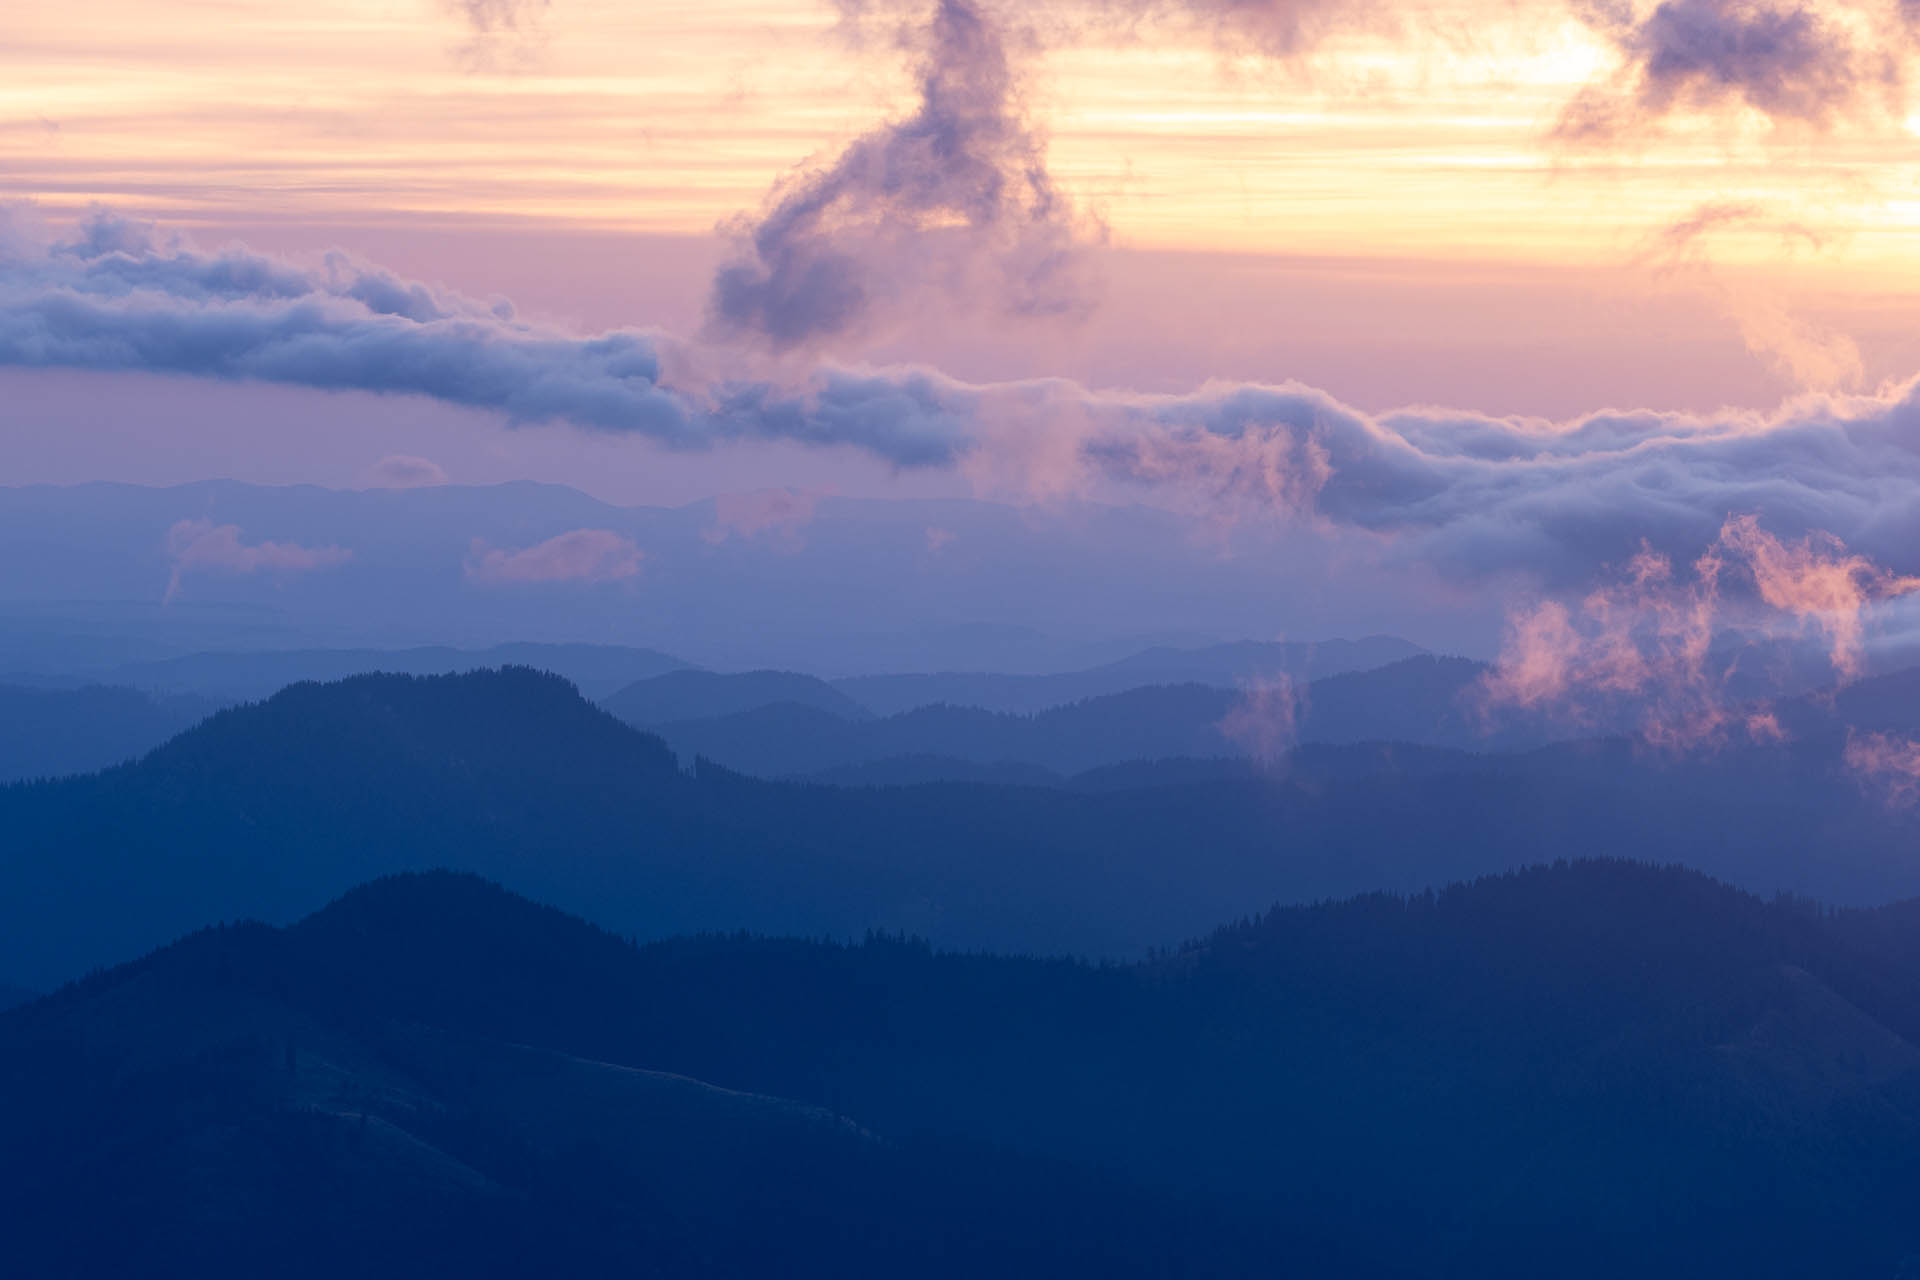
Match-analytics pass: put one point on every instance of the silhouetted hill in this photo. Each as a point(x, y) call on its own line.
point(51, 732)
point(239, 1104)
point(267, 810)
point(701, 695)
point(598, 670)
point(1222, 665)
point(1593, 1069)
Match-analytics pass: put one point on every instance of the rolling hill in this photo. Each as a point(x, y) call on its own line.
point(1602, 1068)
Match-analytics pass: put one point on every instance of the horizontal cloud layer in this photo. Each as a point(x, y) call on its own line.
point(1467, 493)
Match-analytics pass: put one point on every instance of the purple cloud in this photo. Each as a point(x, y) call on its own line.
point(1794, 63)
point(1467, 493)
point(956, 199)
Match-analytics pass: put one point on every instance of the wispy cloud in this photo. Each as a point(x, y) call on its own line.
point(500, 32)
point(781, 514)
point(1649, 635)
point(1265, 722)
point(1812, 357)
point(1888, 762)
point(954, 200)
point(1793, 63)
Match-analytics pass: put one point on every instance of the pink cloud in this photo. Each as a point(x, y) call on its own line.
point(584, 555)
point(200, 546)
point(1266, 719)
point(779, 513)
point(1817, 580)
point(1650, 635)
point(939, 539)
point(1887, 761)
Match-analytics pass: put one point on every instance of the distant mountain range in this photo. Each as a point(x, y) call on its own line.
point(1220, 665)
point(699, 695)
point(1422, 701)
point(779, 579)
point(1591, 1070)
point(46, 733)
point(267, 810)
point(61, 726)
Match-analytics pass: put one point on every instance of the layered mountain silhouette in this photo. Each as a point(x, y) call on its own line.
point(268, 810)
point(701, 695)
point(1222, 665)
point(1425, 701)
point(1592, 1069)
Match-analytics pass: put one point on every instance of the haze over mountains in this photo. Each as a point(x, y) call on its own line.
point(267, 810)
point(775, 579)
point(1023, 1036)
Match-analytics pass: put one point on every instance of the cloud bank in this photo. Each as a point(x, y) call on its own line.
point(1464, 493)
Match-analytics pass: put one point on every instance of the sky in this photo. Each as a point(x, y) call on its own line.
point(1508, 291)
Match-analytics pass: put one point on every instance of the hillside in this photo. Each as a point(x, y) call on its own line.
point(1622, 1069)
point(268, 810)
point(328, 1133)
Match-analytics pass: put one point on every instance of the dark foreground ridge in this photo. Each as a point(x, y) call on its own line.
point(1594, 1069)
point(268, 811)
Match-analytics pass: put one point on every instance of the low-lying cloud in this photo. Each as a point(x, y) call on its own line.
point(1888, 763)
point(779, 514)
point(201, 546)
point(1648, 637)
point(1265, 722)
point(581, 556)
